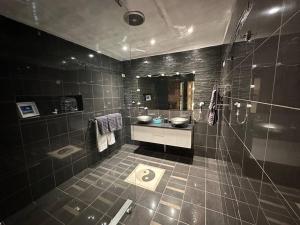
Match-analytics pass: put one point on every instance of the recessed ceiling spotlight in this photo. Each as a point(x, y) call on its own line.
point(72, 57)
point(125, 48)
point(274, 10)
point(177, 73)
point(63, 62)
point(91, 55)
point(152, 41)
point(193, 71)
point(191, 29)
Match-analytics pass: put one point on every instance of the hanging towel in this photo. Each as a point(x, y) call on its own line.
point(110, 138)
point(119, 121)
point(102, 123)
point(212, 109)
point(100, 139)
point(112, 122)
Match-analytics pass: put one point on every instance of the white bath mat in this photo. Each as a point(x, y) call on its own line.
point(145, 176)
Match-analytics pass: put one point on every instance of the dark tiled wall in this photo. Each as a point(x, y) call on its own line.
point(206, 62)
point(37, 65)
point(264, 72)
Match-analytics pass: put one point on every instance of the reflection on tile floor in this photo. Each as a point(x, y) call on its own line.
point(201, 193)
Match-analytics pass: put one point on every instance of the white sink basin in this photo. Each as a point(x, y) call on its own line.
point(144, 119)
point(179, 121)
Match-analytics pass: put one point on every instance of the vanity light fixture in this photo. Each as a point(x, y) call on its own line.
point(91, 55)
point(273, 10)
point(152, 41)
point(190, 30)
point(224, 63)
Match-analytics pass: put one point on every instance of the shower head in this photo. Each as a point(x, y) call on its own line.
point(134, 18)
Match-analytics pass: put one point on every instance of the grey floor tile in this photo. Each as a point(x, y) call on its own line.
point(163, 220)
point(194, 196)
point(192, 214)
point(149, 199)
point(90, 194)
point(89, 216)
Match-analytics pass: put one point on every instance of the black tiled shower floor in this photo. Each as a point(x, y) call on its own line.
point(203, 192)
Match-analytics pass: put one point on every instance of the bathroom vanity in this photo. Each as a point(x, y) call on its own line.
point(163, 133)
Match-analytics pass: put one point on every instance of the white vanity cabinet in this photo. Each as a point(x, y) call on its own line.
point(161, 135)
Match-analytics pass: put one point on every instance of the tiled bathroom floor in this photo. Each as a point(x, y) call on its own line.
point(200, 193)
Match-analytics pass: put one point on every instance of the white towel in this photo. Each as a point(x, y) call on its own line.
point(110, 138)
point(101, 140)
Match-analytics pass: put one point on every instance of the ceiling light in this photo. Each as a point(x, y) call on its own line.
point(193, 71)
point(190, 30)
point(146, 61)
point(273, 10)
point(137, 77)
point(252, 86)
point(123, 75)
point(149, 75)
point(163, 74)
point(73, 58)
point(125, 48)
point(254, 66)
point(91, 55)
point(63, 62)
point(177, 73)
point(138, 90)
point(152, 41)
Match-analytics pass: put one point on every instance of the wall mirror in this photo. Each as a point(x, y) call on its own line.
point(167, 92)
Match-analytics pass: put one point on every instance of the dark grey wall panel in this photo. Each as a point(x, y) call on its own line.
point(37, 65)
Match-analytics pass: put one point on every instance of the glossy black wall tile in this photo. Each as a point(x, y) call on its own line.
point(36, 66)
point(267, 140)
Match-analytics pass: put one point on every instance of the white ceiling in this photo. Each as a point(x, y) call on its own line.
point(99, 24)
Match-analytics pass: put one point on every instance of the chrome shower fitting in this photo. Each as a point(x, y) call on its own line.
point(238, 106)
point(197, 116)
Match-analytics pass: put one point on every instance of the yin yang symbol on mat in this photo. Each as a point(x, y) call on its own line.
point(146, 175)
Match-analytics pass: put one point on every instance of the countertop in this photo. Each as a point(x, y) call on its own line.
point(163, 125)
